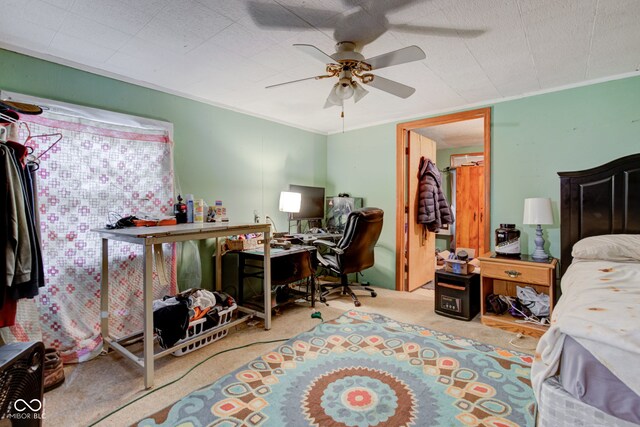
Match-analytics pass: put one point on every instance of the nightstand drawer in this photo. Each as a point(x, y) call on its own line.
point(516, 272)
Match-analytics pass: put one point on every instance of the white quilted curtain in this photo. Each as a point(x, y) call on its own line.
point(96, 171)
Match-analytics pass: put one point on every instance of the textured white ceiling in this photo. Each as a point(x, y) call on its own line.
point(225, 52)
point(466, 133)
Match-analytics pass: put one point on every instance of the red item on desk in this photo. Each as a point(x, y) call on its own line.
point(153, 222)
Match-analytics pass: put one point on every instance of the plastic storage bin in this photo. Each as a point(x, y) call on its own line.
point(197, 328)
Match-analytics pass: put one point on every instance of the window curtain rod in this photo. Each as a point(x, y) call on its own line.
point(73, 110)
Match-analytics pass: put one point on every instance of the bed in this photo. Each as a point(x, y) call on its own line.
point(586, 370)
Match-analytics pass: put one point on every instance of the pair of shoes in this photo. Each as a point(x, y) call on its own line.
point(53, 369)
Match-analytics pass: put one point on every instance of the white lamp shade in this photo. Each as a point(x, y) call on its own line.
point(344, 90)
point(289, 201)
point(537, 211)
point(333, 98)
point(359, 91)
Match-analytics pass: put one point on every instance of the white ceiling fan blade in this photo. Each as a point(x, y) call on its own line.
point(273, 15)
point(392, 87)
point(359, 92)
point(333, 98)
point(437, 31)
point(294, 81)
point(397, 57)
point(316, 53)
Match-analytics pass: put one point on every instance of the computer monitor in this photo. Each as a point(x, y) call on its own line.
point(311, 204)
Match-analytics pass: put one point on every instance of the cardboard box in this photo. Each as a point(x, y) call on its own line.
point(458, 267)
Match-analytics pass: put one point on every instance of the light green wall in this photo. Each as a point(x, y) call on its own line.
point(363, 165)
point(219, 154)
point(532, 139)
point(246, 161)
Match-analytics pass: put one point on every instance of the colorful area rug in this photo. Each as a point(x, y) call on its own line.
point(366, 370)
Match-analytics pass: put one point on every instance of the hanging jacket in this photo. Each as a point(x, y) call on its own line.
point(433, 209)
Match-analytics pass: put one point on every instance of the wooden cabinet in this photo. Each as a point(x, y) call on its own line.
point(500, 275)
point(469, 215)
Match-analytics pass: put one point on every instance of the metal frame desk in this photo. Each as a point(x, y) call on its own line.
point(148, 237)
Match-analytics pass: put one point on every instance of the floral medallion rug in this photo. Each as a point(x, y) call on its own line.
point(366, 370)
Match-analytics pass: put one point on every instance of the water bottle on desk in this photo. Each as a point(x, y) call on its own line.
point(189, 200)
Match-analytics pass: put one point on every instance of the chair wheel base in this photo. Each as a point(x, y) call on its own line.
point(357, 303)
point(373, 294)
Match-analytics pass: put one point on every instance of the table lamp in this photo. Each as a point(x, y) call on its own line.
point(290, 202)
point(537, 211)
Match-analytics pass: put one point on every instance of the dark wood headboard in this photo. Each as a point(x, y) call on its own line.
point(601, 200)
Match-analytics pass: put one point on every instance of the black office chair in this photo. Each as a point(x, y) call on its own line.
point(353, 253)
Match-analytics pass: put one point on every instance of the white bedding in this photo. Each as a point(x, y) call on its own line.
point(599, 308)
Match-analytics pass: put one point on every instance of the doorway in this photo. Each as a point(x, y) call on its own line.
point(411, 252)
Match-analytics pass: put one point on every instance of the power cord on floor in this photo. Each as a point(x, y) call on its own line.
point(184, 375)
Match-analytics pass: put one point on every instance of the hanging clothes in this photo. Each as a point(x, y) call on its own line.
point(22, 271)
point(433, 209)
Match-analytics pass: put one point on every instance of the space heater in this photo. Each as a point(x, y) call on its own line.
point(21, 384)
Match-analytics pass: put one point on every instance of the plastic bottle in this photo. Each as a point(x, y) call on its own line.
point(198, 210)
point(221, 211)
point(180, 211)
point(189, 200)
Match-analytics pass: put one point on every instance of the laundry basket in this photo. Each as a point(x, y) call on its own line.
point(197, 328)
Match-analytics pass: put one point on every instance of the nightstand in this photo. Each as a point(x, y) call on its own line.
point(501, 275)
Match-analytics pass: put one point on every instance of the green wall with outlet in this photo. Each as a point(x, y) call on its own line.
point(532, 139)
point(219, 154)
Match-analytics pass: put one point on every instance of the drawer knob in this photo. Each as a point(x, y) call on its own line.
point(512, 273)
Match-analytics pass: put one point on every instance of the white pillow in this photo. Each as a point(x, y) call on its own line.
point(609, 247)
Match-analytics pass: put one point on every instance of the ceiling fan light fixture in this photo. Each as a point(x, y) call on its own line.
point(333, 98)
point(359, 91)
point(344, 89)
point(353, 71)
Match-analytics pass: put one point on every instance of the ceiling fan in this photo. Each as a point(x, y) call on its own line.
point(354, 71)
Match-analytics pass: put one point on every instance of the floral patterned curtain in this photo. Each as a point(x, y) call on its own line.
point(96, 172)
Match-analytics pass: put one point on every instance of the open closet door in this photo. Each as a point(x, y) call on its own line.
point(421, 245)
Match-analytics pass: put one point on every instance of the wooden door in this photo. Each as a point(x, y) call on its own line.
point(481, 241)
point(470, 208)
point(421, 246)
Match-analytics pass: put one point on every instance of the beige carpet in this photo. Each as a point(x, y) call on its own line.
point(95, 388)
